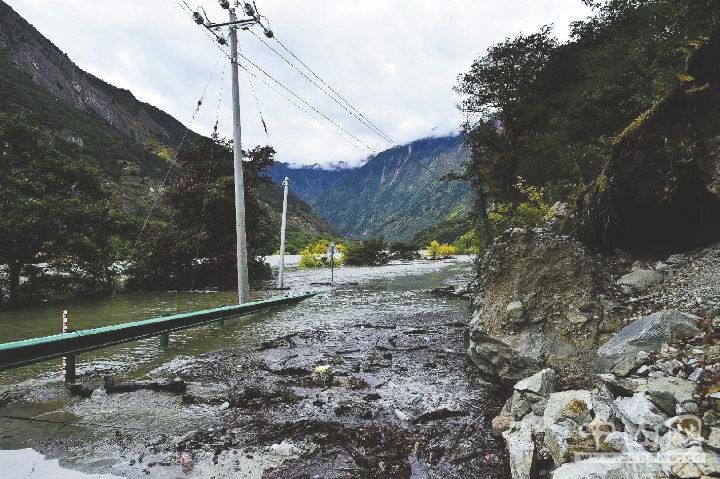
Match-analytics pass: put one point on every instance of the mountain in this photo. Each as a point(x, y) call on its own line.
point(398, 192)
point(131, 141)
point(307, 182)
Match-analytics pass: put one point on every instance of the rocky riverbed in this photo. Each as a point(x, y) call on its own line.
point(370, 380)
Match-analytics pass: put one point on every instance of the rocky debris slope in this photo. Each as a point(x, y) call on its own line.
point(652, 408)
point(660, 190)
point(543, 300)
point(658, 420)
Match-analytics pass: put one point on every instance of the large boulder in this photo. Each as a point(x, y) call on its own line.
point(521, 446)
point(619, 354)
point(539, 304)
point(660, 189)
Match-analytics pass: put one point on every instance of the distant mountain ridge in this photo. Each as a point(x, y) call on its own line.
point(307, 182)
point(395, 194)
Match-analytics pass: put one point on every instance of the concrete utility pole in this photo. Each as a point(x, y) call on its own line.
point(281, 282)
point(253, 18)
point(242, 271)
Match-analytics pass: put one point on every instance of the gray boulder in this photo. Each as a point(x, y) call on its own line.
point(565, 421)
point(521, 446)
point(641, 279)
point(619, 354)
point(638, 411)
point(632, 462)
point(540, 303)
point(692, 462)
point(541, 383)
point(669, 392)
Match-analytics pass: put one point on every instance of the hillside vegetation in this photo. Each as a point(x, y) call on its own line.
point(552, 113)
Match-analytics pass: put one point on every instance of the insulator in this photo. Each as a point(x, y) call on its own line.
point(222, 41)
point(198, 18)
point(224, 4)
point(269, 33)
point(249, 10)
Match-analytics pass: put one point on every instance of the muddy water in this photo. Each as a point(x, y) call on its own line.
point(115, 433)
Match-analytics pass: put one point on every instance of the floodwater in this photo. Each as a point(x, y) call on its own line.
point(358, 294)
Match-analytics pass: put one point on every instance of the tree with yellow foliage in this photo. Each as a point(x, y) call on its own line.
point(438, 251)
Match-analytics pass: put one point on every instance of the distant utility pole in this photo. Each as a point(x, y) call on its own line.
point(281, 282)
point(233, 25)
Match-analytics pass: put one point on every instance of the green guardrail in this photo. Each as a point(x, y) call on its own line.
point(30, 351)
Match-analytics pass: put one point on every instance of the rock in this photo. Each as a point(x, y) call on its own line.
point(539, 407)
point(633, 462)
point(515, 311)
point(692, 462)
point(641, 279)
point(573, 405)
point(620, 467)
point(501, 424)
point(521, 447)
point(565, 439)
point(283, 449)
point(559, 284)
point(697, 375)
point(713, 440)
point(619, 354)
point(498, 361)
point(541, 383)
point(638, 411)
point(624, 442)
point(666, 393)
point(519, 406)
point(402, 416)
point(566, 418)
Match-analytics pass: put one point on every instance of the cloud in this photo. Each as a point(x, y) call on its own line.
point(395, 60)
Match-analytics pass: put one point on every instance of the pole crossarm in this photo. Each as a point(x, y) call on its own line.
point(30, 351)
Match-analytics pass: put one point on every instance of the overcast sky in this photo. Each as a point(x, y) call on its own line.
point(396, 61)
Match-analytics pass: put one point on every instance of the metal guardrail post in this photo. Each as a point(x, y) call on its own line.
point(165, 340)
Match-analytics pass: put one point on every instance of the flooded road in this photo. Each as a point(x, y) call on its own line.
point(397, 346)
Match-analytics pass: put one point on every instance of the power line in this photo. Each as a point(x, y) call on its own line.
point(303, 100)
point(307, 112)
point(212, 36)
point(173, 160)
point(360, 118)
point(333, 90)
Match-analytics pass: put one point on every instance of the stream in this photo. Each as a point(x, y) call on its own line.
point(400, 393)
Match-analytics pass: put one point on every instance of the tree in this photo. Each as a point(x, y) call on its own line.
point(549, 112)
point(404, 251)
point(197, 247)
point(496, 91)
point(47, 201)
point(369, 252)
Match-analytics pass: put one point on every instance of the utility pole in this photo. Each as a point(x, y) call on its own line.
point(331, 253)
point(281, 282)
point(253, 18)
point(242, 271)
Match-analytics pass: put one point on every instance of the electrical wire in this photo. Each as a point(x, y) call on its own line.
point(340, 131)
point(173, 160)
point(349, 109)
point(256, 66)
point(392, 141)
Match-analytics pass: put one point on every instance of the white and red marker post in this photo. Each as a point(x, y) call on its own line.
point(68, 361)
